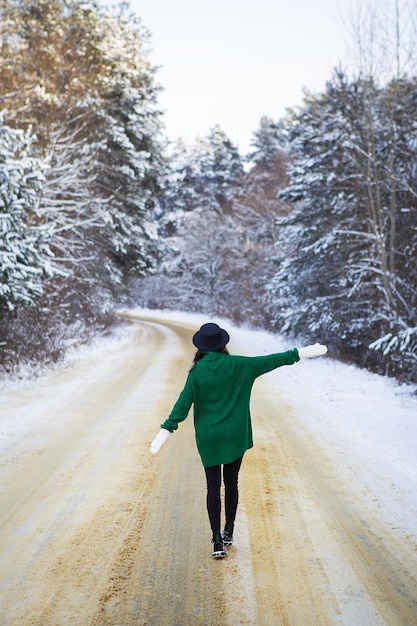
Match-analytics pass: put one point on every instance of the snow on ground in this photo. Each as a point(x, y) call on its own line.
point(367, 424)
point(26, 403)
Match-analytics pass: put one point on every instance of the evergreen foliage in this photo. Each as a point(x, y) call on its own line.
point(25, 254)
point(218, 225)
point(79, 74)
point(348, 249)
point(206, 173)
point(268, 141)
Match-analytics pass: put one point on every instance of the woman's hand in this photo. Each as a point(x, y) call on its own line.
point(159, 440)
point(311, 351)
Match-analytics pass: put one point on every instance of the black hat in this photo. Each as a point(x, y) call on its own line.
point(210, 337)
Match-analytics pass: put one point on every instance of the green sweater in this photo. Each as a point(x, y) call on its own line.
point(219, 386)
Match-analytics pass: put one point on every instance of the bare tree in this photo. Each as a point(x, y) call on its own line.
point(384, 34)
point(382, 39)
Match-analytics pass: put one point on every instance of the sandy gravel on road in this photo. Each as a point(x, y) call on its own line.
point(96, 531)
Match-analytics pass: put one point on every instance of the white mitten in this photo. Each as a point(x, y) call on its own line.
point(311, 351)
point(159, 440)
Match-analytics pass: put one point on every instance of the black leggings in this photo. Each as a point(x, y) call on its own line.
point(231, 494)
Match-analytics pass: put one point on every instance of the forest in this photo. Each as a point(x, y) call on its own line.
point(313, 234)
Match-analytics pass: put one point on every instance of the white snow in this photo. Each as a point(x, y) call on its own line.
point(366, 424)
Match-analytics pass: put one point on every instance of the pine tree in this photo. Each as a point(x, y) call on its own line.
point(352, 186)
point(268, 141)
point(85, 82)
point(25, 253)
point(205, 174)
point(80, 74)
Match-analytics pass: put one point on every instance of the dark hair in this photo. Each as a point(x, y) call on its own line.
point(200, 353)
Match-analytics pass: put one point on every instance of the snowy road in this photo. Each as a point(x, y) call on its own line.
point(96, 531)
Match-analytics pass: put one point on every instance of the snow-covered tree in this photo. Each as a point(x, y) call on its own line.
point(80, 74)
point(130, 161)
point(209, 256)
point(353, 186)
point(217, 257)
point(268, 141)
point(404, 342)
point(93, 101)
point(25, 253)
point(221, 166)
point(206, 174)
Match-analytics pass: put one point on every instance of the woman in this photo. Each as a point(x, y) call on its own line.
point(219, 386)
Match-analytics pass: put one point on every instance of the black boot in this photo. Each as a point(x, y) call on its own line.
point(219, 551)
point(227, 534)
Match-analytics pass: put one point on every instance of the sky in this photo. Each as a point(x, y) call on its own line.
point(229, 62)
